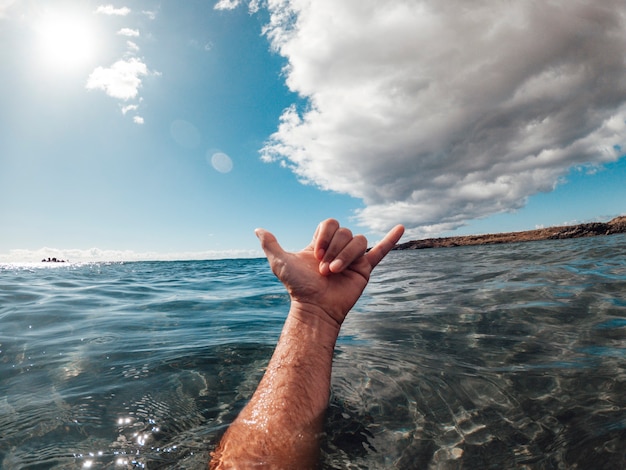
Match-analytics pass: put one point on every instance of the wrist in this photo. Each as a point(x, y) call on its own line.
point(314, 321)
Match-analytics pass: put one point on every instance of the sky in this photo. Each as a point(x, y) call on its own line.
point(171, 130)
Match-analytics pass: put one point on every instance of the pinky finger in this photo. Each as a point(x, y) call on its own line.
point(376, 254)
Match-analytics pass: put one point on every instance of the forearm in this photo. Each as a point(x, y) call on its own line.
point(282, 423)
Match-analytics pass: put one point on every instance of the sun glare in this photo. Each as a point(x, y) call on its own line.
point(66, 40)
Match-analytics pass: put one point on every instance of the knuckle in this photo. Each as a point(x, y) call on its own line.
point(345, 232)
point(361, 240)
point(331, 223)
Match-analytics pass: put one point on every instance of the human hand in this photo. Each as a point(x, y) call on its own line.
point(327, 277)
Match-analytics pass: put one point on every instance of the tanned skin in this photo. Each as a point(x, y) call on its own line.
point(280, 427)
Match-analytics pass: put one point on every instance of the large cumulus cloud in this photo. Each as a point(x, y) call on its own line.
point(435, 112)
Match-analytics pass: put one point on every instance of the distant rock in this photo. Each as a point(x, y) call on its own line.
point(617, 225)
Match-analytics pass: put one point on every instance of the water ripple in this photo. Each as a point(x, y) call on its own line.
point(508, 356)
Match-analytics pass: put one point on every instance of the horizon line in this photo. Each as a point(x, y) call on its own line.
point(97, 255)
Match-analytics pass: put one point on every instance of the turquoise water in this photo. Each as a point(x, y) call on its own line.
point(510, 356)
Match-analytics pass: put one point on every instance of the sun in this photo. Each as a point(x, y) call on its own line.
point(66, 40)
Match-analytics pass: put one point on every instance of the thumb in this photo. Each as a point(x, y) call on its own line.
point(270, 245)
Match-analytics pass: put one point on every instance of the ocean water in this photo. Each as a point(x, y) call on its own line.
point(509, 356)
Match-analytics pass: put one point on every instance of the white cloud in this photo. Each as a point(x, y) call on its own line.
point(112, 11)
point(132, 47)
point(150, 14)
point(130, 107)
point(134, 33)
point(227, 4)
point(122, 80)
point(435, 113)
point(253, 5)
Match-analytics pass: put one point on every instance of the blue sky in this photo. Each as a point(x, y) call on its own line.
point(160, 130)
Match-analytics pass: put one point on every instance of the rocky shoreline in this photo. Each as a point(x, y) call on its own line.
point(617, 225)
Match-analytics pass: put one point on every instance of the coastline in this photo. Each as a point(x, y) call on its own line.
point(614, 226)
